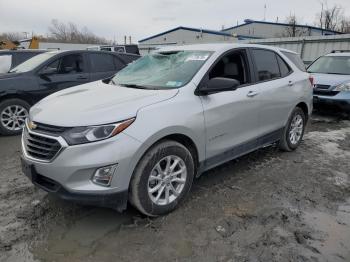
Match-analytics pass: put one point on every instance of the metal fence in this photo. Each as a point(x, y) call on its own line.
point(310, 47)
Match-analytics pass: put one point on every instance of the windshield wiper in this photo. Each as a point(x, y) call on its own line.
point(329, 73)
point(135, 86)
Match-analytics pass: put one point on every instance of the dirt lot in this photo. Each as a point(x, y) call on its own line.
point(266, 206)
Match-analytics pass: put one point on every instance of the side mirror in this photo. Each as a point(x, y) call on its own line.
point(48, 71)
point(219, 84)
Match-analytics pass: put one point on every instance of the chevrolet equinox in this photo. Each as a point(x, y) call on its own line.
point(145, 134)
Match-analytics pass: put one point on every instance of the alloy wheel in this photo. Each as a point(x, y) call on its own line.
point(296, 129)
point(13, 117)
point(167, 180)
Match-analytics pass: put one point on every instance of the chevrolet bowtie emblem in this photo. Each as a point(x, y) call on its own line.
point(32, 125)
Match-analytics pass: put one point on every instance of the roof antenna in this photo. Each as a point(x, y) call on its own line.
point(265, 12)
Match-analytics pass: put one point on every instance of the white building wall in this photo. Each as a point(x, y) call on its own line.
point(183, 37)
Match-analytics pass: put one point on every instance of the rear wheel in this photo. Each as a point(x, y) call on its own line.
point(294, 130)
point(162, 178)
point(13, 113)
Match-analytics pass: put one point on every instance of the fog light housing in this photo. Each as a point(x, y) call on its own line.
point(103, 176)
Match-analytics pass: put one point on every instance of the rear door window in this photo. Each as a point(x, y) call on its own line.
point(102, 62)
point(266, 64)
point(284, 67)
point(295, 58)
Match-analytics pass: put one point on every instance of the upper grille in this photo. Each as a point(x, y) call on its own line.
point(49, 129)
point(40, 147)
point(322, 87)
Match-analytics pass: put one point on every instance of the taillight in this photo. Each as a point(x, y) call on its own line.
point(311, 79)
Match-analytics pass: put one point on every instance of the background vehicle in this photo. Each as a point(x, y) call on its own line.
point(131, 49)
point(12, 58)
point(331, 75)
point(47, 73)
point(163, 120)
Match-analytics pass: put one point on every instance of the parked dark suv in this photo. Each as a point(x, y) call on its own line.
point(50, 72)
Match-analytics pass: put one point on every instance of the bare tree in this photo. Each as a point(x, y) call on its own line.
point(71, 33)
point(344, 25)
point(330, 17)
point(292, 30)
point(12, 36)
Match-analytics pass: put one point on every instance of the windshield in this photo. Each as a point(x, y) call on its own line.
point(32, 63)
point(162, 70)
point(331, 65)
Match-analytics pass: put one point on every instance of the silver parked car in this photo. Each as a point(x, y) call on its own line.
point(166, 118)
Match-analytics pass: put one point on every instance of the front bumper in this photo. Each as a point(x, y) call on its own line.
point(69, 174)
point(341, 100)
point(116, 200)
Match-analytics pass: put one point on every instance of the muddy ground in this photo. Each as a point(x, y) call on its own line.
point(266, 206)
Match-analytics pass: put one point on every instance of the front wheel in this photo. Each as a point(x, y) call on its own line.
point(13, 113)
point(162, 178)
point(294, 130)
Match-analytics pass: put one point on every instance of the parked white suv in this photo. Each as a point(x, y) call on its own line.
point(166, 118)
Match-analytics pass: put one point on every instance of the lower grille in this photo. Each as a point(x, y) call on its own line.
point(40, 147)
point(325, 93)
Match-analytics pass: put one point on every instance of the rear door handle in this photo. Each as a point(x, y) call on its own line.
point(290, 83)
point(252, 93)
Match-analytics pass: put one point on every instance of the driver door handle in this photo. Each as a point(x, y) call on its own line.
point(82, 78)
point(252, 93)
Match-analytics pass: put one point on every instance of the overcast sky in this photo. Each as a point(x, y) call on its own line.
point(109, 18)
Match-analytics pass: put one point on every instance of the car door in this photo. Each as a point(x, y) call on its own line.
point(274, 89)
point(66, 71)
point(231, 117)
point(102, 65)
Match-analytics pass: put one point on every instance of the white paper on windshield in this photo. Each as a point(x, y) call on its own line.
point(5, 63)
point(197, 58)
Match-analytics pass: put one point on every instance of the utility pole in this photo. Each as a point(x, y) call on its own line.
point(265, 12)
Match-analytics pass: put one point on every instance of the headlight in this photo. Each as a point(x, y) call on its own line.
point(343, 87)
point(87, 134)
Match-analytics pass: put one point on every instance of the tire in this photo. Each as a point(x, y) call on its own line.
point(8, 106)
point(142, 182)
point(287, 143)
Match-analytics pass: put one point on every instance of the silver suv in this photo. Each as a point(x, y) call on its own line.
point(145, 134)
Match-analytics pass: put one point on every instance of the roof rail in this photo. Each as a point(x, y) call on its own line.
point(340, 51)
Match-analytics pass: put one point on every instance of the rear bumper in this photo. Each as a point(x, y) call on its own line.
point(339, 101)
point(117, 201)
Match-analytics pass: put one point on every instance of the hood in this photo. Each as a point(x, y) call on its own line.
point(95, 103)
point(330, 79)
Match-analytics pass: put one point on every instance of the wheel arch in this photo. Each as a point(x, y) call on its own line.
point(14, 95)
point(183, 138)
point(303, 106)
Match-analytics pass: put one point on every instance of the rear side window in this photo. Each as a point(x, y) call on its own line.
point(296, 60)
point(284, 68)
point(19, 58)
point(266, 64)
point(102, 62)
